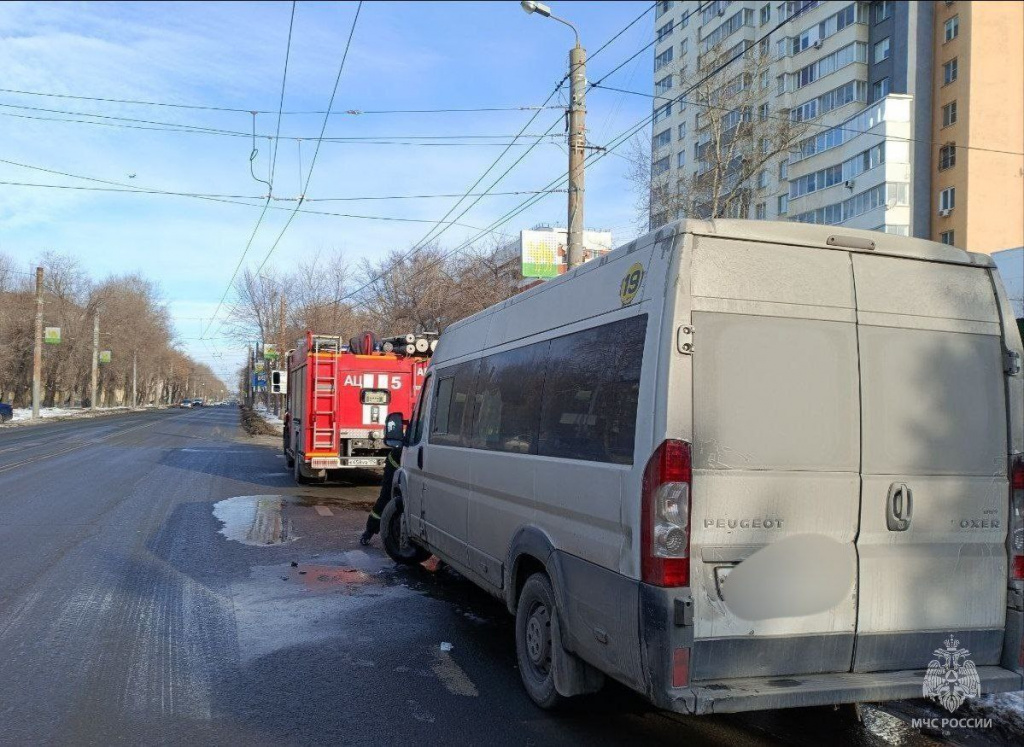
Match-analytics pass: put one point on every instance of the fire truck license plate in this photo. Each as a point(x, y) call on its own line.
point(362, 462)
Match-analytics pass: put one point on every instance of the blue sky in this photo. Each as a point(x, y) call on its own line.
point(423, 55)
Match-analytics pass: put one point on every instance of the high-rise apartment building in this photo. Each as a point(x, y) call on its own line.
point(978, 193)
point(863, 88)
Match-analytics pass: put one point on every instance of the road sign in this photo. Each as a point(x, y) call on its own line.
point(51, 335)
point(260, 366)
point(270, 352)
point(104, 356)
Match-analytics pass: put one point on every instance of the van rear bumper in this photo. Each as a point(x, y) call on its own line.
point(761, 693)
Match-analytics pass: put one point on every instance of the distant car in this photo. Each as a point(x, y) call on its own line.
point(197, 403)
point(6, 413)
point(185, 404)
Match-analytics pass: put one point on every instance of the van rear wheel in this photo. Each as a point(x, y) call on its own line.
point(535, 617)
point(394, 535)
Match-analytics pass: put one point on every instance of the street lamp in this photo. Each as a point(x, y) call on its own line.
point(577, 135)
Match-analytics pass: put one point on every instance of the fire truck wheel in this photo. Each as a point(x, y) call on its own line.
point(395, 537)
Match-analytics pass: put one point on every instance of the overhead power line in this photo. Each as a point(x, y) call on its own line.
point(590, 160)
point(133, 123)
point(270, 183)
point(312, 164)
point(416, 247)
point(250, 110)
point(820, 125)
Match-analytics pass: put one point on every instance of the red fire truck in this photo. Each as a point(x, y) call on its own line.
point(339, 396)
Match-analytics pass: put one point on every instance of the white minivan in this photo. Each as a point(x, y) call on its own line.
point(737, 465)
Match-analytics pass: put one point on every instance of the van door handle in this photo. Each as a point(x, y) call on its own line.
point(899, 507)
point(419, 458)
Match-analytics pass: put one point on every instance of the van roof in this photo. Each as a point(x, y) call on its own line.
point(772, 232)
point(811, 234)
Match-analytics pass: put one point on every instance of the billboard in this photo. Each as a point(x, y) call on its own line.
point(51, 335)
point(544, 250)
point(270, 352)
point(104, 356)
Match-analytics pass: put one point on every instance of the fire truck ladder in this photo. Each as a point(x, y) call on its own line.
point(325, 387)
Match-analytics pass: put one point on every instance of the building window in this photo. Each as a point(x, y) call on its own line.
point(882, 50)
point(662, 112)
point(660, 166)
point(682, 131)
point(762, 112)
point(783, 169)
point(947, 157)
point(685, 20)
point(662, 139)
point(760, 211)
point(663, 59)
point(949, 71)
point(883, 11)
point(783, 204)
point(665, 31)
point(766, 80)
point(880, 89)
point(664, 85)
point(762, 180)
point(681, 159)
point(952, 27)
point(949, 114)
point(766, 13)
point(946, 237)
point(684, 46)
point(947, 198)
point(664, 6)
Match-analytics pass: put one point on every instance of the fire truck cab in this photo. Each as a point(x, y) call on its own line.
point(338, 401)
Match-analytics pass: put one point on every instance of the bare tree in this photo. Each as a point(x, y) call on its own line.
point(739, 141)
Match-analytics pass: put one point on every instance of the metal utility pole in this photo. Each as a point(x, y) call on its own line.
point(135, 378)
point(279, 399)
point(94, 376)
point(37, 351)
point(577, 133)
point(577, 150)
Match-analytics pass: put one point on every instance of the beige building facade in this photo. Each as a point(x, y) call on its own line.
point(978, 125)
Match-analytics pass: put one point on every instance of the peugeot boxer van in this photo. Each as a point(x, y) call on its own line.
point(737, 465)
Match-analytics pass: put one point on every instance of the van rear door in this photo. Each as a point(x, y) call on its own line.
point(776, 455)
point(933, 517)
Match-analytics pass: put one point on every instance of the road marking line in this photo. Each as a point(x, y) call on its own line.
point(455, 680)
point(92, 442)
point(323, 510)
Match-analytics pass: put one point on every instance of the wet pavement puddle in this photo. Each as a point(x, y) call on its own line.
point(254, 520)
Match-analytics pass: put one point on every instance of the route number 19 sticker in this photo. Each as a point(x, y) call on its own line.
point(631, 283)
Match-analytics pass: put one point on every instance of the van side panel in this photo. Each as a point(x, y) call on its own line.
point(776, 452)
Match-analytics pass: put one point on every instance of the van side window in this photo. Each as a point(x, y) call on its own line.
point(508, 396)
point(416, 427)
point(591, 392)
point(454, 387)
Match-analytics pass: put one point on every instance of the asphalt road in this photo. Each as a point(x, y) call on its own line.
point(163, 580)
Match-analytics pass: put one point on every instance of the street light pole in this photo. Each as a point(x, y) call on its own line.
point(577, 143)
point(37, 348)
point(94, 375)
point(577, 134)
point(135, 378)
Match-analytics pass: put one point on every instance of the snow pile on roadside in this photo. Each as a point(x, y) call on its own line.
point(25, 413)
point(268, 416)
point(1005, 709)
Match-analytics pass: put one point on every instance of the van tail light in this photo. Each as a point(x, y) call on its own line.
point(1017, 518)
point(665, 516)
